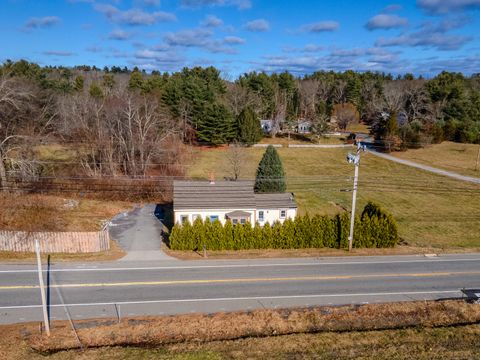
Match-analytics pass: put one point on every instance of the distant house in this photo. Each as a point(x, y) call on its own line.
point(267, 126)
point(304, 126)
point(229, 200)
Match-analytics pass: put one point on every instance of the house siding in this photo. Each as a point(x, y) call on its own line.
point(270, 215)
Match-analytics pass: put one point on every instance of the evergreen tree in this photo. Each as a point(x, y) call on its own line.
point(216, 125)
point(249, 129)
point(270, 176)
point(78, 83)
point(136, 81)
point(95, 91)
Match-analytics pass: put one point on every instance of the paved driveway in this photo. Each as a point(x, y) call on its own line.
point(138, 232)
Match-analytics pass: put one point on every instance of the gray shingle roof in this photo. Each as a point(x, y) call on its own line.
point(225, 195)
point(275, 201)
point(220, 195)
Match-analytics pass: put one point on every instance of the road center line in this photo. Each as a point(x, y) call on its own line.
point(240, 280)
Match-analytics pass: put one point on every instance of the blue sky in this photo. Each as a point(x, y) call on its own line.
point(236, 36)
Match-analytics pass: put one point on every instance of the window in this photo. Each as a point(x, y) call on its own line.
point(261, 216)
point(183, 219)
point(234, 221)
point(243, 221)
point(213, 218)
point(283, 214)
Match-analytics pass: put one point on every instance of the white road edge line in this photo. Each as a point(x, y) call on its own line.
point(239, 298)
point(430, 260)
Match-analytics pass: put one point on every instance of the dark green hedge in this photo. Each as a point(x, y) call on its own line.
point(373, 229)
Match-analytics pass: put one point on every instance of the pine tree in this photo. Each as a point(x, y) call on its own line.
point(216, 125)
point(270, 176)
point(136, 81)
point(249, 129)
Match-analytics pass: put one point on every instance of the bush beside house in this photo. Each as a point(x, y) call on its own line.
point(373, 229)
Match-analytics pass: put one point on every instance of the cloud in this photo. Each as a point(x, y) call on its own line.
point(384, 21)
point(233, 40)
point(259, 25)
point(431, 35)
point(309, 48)
point(188, 38)
point(43, 22)
point(447, 6)
point(321, 26)
point(195, 4)
point(119, 34)
point(133, 16)
point(94, 49)
point(151, 2)
point(201, 38)
point(212, 21)
point(392, 8)
point(58, 53)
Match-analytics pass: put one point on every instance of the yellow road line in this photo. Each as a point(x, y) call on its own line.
point(240, 280)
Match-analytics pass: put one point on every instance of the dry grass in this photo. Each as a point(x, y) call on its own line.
point(432, 211)
point(450, 343)
point(300, 253)
point(52, 213)
point(459, 158)
point(198, 335)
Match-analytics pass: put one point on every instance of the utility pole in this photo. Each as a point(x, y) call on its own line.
point(354, 159)
point(42, 288)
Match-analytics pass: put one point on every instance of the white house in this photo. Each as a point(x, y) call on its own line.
point(304, 126)
point(267, 126)
point(229, 200)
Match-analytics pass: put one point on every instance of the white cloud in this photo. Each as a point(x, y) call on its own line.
point(321, 26)
point(384, 21)
point(258, 25)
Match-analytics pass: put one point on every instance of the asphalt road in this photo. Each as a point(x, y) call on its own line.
point(168, 287)
point(427, 168)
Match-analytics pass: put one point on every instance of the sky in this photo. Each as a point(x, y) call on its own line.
point(423, 37)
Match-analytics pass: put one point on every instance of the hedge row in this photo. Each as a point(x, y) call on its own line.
point(373, 229)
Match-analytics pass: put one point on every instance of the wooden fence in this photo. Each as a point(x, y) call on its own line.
point(55, 242)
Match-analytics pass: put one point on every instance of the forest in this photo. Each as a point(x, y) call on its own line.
point(125, 122)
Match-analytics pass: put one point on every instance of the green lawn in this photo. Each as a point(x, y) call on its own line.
point(431, 210)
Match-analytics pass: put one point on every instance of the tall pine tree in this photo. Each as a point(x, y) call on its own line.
point(249, 129)
point(270, 176)
point(216, 125)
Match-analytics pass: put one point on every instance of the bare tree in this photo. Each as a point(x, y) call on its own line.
point(345, 114)
point(13, 101)
point(235, 158)
point(308, 94)
point(239, 97)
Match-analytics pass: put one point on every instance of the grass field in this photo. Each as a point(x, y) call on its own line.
point(431, 210)
point(459, 158)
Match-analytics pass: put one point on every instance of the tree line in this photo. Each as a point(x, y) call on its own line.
point(126, 120)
